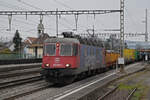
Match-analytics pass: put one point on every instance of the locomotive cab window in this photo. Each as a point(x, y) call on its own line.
point(50, 49)
point(66, 50)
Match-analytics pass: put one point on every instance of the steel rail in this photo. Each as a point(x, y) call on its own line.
point(130, 95)
point(108, 93)
point(19, 82)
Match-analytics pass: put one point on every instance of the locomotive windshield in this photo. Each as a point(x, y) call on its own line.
point(50, 49)
point(66, 50)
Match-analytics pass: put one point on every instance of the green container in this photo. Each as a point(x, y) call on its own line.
point(137, 55)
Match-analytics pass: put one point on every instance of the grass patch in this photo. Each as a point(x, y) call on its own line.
point(123, 86)
point(140, 92)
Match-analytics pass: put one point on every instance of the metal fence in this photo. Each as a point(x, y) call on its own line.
point(20, 61)
point(10, 56)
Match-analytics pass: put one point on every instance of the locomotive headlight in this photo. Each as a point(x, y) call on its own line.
point(57, 44)
point(68, 65)
point(47, 65)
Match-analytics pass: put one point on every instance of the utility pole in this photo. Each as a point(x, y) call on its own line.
point(121, 59)
point(146, 25)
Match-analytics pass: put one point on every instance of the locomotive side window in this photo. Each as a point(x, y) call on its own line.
point(50, 49)
point(66, 50)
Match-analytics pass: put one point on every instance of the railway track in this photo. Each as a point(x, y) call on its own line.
point(19, 73)
point(19, 82)
point(107, 93)
point(116, 94)
point(131, 94)
point(40, 87)
point(27, 93)
point(12, 73)
point(23, 90)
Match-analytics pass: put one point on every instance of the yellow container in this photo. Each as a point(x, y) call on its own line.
point(111, 58)
point(129, 54)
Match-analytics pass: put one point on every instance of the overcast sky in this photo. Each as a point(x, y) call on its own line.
point(134, 15)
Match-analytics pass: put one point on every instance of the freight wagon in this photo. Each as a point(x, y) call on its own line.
point(111, 58)
point(131, 55)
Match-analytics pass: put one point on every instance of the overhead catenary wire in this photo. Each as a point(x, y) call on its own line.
point(42, 9)
point(133, 22)
point(66, 6)
point(30, 5)
point(129, 15)
point(63, 4)
point(15, 7)
point(5, 30)
point(76, 16)
point(37, 8)
point(21, 21)
point(8, 5)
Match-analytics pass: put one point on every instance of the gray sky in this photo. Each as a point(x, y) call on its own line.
point(134, 15)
